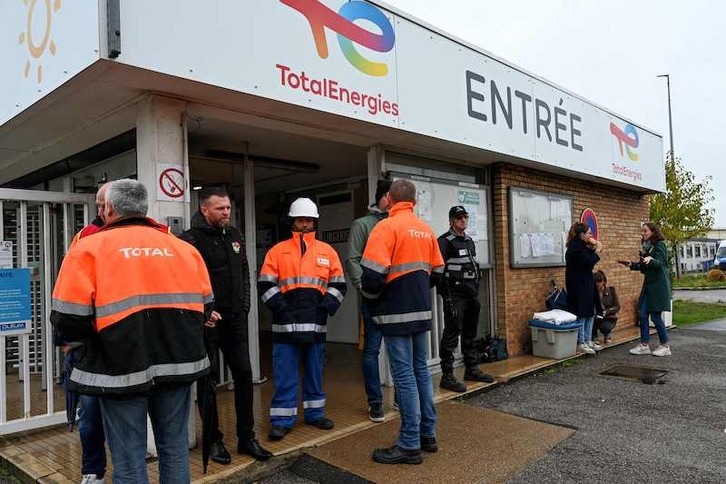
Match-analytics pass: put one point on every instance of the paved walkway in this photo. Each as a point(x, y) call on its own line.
point(624, 431)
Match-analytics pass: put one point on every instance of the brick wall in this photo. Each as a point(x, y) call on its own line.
point(521, 292)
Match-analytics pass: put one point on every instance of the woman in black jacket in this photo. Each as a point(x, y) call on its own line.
point(580, 259)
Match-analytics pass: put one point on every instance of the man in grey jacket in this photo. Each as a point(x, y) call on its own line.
point(357, 239)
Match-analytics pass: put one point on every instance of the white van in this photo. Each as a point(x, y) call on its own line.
point(720, 261)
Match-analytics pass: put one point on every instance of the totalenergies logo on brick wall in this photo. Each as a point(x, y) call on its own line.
point(39, 19)
point(342, 22)
point(627, 138)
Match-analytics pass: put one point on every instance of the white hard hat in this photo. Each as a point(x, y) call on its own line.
point(303, 207)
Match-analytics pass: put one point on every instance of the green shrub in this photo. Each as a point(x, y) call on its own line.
point(716, 275)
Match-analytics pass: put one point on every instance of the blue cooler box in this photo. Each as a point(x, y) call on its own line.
point(554, 341)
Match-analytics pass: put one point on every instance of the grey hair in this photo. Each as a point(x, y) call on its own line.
point(129, 198)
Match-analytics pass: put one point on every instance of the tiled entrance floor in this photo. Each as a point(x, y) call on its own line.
point(54, 455)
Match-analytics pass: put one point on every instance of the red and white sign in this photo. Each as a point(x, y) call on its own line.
point(170, 183)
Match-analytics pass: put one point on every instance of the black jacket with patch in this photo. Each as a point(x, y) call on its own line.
point(223, 250)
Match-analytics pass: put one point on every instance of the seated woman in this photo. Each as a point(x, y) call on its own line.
point(606, 318)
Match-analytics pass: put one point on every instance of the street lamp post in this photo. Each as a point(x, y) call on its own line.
point(673, 158)
point(670, 117)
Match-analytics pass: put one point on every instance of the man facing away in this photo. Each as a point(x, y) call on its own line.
point(460, 289)
point(302, 283)
point(223, 250)
point(137, 298)
point(401, 263)
point(357, 238)
point(90, 420)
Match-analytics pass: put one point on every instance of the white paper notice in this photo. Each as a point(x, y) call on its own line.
point(6, 254)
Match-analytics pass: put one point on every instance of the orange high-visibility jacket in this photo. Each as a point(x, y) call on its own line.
point(400, 263)
point(137, 298)
point(302, 282)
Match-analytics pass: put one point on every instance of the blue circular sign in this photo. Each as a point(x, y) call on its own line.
point(588, 217)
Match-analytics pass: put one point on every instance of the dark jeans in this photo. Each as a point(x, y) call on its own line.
point(605, 326)
point(644, 318)
point(461, 317)
point(90, 428)
point(371, 350)
point(230, 336)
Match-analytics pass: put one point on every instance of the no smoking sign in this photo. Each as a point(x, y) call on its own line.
point(170, 182)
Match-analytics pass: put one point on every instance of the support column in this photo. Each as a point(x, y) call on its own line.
point(160, 148)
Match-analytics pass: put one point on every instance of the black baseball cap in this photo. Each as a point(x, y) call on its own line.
point(457, 210)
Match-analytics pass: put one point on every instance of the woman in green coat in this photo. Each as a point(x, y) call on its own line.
point(655, 297)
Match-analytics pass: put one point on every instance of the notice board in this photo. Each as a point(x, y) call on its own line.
point(435, 197)
point(538, 226)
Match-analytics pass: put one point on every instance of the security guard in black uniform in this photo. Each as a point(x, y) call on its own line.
point(459, 287)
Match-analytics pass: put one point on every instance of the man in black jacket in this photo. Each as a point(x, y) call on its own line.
point(460, 289)
point(223, 250)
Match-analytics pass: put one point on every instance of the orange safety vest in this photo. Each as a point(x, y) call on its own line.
point(401, 255)
point(302, 282)
point(137, 297)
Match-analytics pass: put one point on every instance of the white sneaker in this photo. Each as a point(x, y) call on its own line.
point(641, 349)
point(92, 479)
point(585, 348)
point(594, 345)
point(662, 350)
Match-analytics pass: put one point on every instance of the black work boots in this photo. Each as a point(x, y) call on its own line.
point(449, 382)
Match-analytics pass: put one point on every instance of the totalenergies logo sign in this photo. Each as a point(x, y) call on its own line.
point(628, 141)
point(342, 22)
point(627, 138)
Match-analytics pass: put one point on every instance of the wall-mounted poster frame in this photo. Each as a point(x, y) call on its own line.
point(436, 196)
point(538, 226)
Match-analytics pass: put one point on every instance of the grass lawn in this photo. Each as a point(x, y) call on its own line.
point(700, 280)
point(686, 313)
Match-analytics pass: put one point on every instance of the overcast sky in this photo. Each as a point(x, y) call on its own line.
point(610, 53)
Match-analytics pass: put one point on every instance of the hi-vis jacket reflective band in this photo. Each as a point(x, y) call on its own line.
point(402, 245)
point(138, 297)
point(115, 280)
point(302, 282)
point(400, 259)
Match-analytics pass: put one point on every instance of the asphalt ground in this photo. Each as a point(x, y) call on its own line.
point(626, 431)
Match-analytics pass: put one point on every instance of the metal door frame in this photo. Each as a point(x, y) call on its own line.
point(50, 417)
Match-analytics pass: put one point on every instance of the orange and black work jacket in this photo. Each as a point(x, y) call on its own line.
point(401, 263)
point(301, 282)
point(137, 298)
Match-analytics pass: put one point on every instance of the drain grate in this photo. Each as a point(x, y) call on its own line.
point(633, 372)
